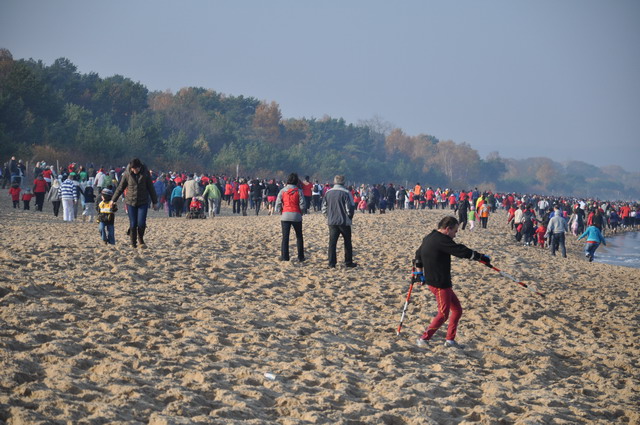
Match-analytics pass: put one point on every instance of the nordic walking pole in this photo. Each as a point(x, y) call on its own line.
point(508, 276)
point(406, 303)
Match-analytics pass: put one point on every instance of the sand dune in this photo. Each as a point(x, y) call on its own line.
point(185, 331)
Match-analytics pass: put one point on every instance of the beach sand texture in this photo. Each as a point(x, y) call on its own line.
point(184, 331)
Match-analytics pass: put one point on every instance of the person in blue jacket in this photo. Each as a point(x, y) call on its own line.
point(594, 239)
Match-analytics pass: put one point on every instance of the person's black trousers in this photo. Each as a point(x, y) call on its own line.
point(286, 230)
point(334, 233)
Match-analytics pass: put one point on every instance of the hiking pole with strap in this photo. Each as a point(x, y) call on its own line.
point(414, 279)
point(508, 276)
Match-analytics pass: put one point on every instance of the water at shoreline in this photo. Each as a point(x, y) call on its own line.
point(621, 250)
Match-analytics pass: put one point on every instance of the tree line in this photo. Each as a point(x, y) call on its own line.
point(56, 113)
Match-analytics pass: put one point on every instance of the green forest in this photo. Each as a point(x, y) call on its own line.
point(54, 113)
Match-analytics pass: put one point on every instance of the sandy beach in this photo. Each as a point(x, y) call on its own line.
point(185, 331)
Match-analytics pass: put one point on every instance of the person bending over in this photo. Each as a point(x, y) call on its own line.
point(433, 267)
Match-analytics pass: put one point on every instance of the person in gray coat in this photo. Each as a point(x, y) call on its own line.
point(338, 206)
point(556, 229)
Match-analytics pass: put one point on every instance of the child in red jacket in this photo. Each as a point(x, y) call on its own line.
point(362, 205)
point(26, 199)
point(14, 191)
point(540, 231)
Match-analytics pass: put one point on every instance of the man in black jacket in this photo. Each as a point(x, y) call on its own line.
point(391, 197)
point(434, 257)
point(463, 211)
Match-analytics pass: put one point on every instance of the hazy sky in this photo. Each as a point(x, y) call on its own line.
point(525, 78)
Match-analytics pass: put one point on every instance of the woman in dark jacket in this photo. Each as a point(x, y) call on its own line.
point(137, 181)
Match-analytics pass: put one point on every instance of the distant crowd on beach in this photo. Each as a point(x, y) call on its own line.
point(203, 195)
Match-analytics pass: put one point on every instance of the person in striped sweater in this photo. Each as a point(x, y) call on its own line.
point(69, 198)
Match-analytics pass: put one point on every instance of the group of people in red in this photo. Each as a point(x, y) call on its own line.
point(179, 193)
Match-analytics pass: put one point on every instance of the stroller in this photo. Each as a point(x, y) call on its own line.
point(196, 208)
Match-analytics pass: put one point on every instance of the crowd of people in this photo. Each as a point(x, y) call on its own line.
point(536, 220)
point(179, 194)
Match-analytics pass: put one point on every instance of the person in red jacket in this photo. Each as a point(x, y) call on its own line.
point(307, 191)
point(47, 174)
point(541, 231)
point(236, 197)
point(430, 195)
point(625, 213)
point(39, 190)
point(243, 193)
point(228, 192)
point(290, 203)
point(452, 201)
point(511, 217)
point(26, 199)
point(14, 192)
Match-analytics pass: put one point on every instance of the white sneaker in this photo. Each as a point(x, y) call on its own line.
point(422, 342)
point(453, 343)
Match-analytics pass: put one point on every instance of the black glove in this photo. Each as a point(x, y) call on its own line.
point(485, 259)
point(418, 277)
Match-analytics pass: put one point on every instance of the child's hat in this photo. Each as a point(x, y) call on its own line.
point(107, 192)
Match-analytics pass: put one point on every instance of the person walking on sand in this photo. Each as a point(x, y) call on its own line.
point(89, 203)
point(190, 190)
point(106, 217)
point(556, 229)
point(137, 181)
point(177, 201)
point(255, 194)
point(69, 197)
point(338, 207)
point(53, 195)
point(39, 190)
point(212, 195)
point(433, 267)
point(463, 212)
point(483, 213)
point(272, 195)
point(291, 203)
point(471, 217)
point(307, 191)
point(594, 239)
point(243, 193)
point(14, 192)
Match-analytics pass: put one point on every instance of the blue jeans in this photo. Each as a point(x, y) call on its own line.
point(108, 233)
point(137, 215)
point(590, 249)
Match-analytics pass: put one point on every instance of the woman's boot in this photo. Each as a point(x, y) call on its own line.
point(141, 230)
point(133, 233)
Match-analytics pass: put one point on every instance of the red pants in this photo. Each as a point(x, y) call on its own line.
point(447, 301)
